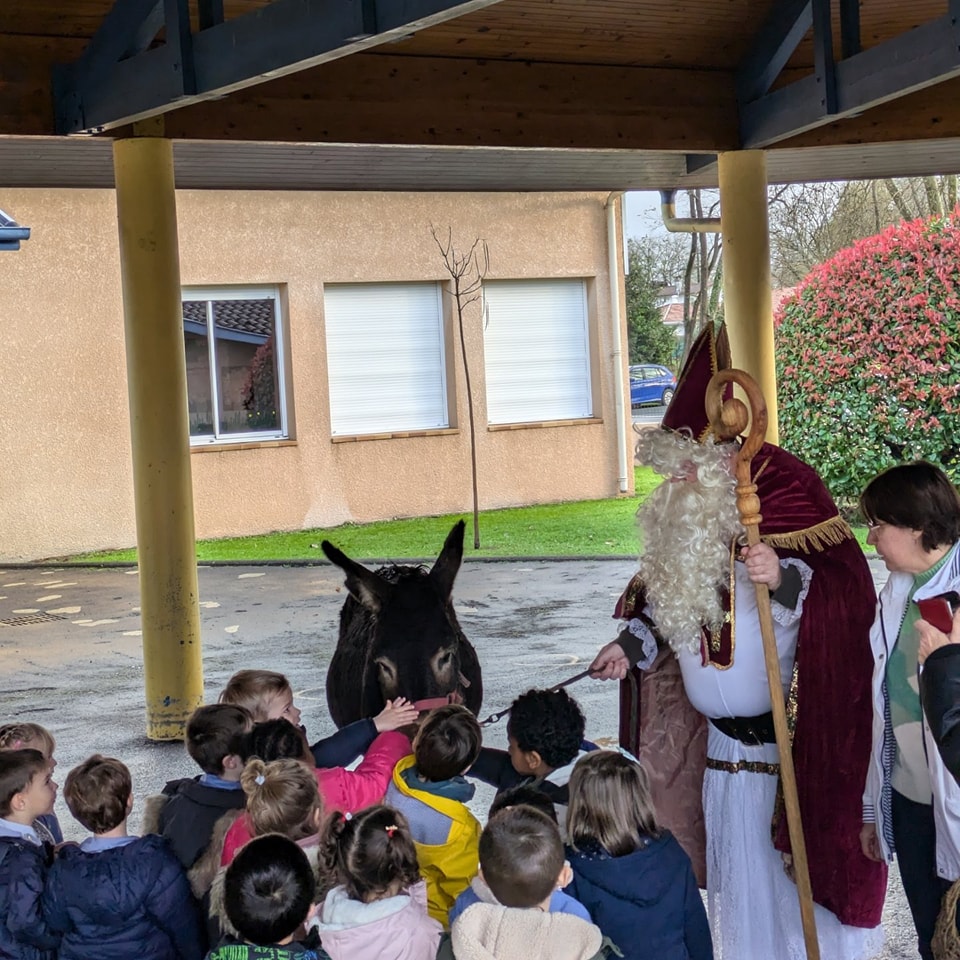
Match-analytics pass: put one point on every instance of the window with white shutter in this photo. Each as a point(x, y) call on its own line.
point(536, 351)
point(385, 357)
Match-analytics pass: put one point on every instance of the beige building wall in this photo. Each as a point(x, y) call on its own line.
point(66, 480)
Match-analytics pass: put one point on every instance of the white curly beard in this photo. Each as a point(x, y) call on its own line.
point(687, 527)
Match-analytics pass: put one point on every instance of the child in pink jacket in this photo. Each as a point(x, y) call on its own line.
point(340, 790)
point(378, 909)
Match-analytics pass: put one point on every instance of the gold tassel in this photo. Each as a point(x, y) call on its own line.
point(813, 539)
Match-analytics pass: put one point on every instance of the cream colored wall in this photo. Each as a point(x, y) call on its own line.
point(66, 479)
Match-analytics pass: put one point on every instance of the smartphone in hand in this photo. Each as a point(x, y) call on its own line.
point(938, 611)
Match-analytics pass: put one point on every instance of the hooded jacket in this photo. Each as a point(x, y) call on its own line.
point(128, 901)
point(396, 928)
point(647, 902)
point(487, 931)
point(446, 835)
point(891, 606)
point(186, 813)
point(23, 870)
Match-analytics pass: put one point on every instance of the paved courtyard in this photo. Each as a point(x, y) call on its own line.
point(533, 623)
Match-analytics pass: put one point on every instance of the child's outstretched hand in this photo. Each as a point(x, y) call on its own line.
point(397, 713)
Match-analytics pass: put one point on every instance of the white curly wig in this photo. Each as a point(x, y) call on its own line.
point(687, 526)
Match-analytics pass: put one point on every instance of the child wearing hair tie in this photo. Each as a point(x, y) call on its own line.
point(282, 798)
point(378, 908)
point(31, 736)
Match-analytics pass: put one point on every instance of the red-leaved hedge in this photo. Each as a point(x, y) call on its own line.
point(868, 356)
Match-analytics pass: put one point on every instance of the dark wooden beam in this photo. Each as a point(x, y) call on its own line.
point(281, 38)
point(849, 28)
point(209, 13)
point(922, 57)
point(781, 33)
point(824, 68)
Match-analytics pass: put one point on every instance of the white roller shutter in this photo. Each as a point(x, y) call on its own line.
point(385, 357)
point(536, 351)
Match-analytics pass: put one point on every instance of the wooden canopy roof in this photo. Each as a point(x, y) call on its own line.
point(560, 94)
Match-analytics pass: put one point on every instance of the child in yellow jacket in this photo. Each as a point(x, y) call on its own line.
point(428, 787)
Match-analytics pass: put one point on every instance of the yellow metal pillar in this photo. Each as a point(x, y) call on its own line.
point(160, 433)
point(746, 271)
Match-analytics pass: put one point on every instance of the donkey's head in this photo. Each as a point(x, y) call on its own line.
point(407, 624)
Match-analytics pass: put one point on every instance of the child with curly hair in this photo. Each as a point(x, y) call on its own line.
point(378, 908)
point(545, 732)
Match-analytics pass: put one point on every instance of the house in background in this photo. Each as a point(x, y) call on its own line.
point(671, 310)
point(323, 362)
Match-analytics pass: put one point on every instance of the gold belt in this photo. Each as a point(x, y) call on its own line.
point(745, 766)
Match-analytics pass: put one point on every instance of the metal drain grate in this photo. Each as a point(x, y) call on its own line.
point(31, 618)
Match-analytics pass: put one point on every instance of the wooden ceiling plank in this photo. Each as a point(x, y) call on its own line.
point(407, 100)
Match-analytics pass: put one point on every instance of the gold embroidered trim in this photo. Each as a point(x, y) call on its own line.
point(828, 533)
point(744, 766)
point(729, 617)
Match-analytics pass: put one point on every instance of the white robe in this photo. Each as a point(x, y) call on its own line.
point(752, 905)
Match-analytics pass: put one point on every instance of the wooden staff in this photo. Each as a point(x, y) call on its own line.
point(728, 420)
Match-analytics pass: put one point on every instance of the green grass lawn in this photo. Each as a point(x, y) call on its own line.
point(584, 528)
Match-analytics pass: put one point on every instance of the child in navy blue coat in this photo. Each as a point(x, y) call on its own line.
point(633, 877)
point(27, 792)
point(114, 896)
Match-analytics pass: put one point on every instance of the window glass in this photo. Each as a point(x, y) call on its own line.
point(233, 352)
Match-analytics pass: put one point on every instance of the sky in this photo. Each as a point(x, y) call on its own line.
point(642, 216)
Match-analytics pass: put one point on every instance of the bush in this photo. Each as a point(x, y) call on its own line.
point(868, 356)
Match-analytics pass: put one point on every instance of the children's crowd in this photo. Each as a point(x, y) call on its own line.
point(277, 851)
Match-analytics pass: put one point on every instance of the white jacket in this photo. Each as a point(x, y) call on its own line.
point(946, 793)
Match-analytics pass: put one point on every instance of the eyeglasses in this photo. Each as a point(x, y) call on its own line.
point(876, 524)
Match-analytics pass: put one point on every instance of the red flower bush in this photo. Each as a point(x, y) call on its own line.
point(868, 356)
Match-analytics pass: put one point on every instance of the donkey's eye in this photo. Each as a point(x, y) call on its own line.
point(387, 669)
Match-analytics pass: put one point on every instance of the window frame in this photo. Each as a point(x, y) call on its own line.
point(208, 294)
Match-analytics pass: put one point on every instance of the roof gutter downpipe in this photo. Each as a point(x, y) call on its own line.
point(675, 224)
point(619, 393)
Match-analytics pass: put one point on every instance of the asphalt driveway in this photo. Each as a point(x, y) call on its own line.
point(70, 654)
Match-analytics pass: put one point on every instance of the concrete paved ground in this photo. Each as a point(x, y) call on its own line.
point(533, 623)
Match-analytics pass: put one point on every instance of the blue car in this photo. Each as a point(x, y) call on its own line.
point(651, 383)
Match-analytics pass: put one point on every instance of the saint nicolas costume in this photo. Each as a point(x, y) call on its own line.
point(700, 722)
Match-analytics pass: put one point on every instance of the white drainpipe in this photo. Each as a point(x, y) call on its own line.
point(623, 445)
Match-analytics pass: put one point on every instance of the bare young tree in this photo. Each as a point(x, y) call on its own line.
point(467, 271)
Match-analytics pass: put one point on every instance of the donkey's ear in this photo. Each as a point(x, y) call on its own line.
point(364, 585)
point(444, 571)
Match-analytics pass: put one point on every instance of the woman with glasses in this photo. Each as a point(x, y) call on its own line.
point(911, 802)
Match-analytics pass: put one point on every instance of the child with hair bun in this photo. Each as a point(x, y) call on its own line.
point(378, 908)
point(31, 736)
point(282, 798)
point(633, 877)
point(340, 789)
